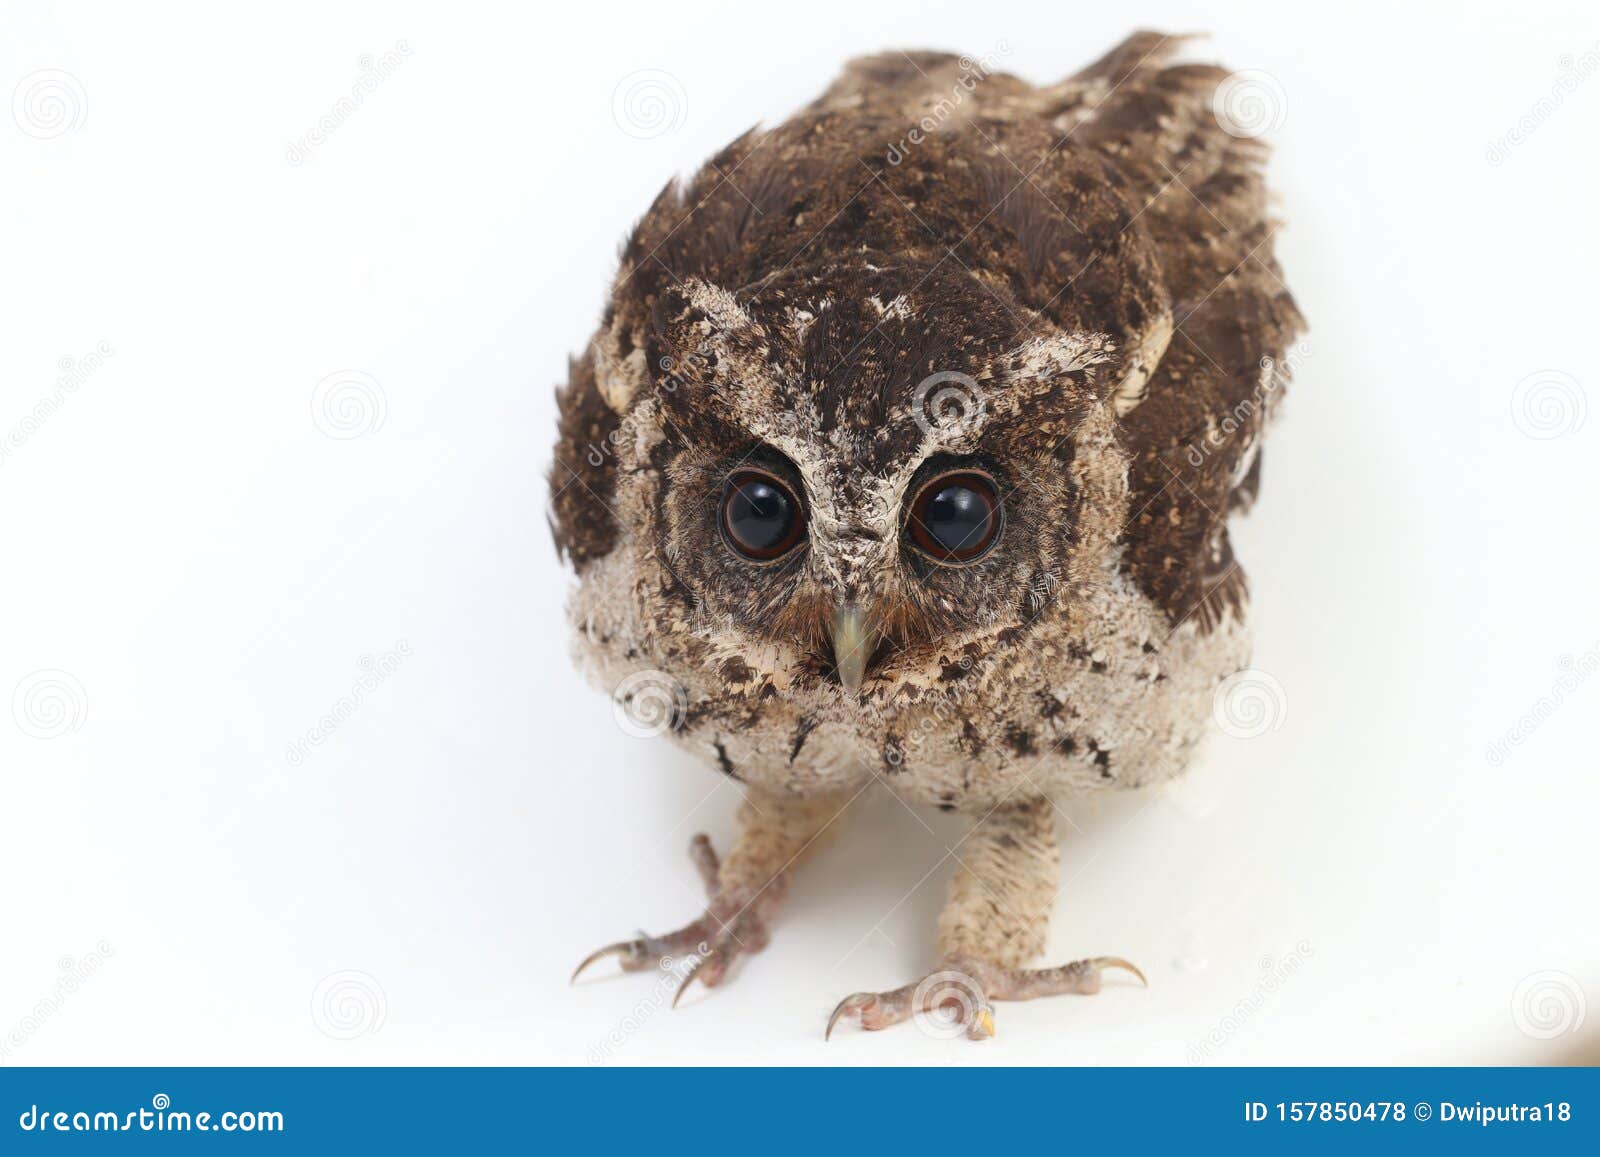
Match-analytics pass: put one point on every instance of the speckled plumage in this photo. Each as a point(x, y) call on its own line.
point(1088, 266)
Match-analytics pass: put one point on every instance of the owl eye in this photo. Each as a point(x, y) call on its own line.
point(761, 517)
point(956, 517)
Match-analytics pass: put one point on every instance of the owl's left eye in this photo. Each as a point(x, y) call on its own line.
point(761, 517)
point(955, 518)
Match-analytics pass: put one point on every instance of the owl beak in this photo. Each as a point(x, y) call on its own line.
point(853, 640)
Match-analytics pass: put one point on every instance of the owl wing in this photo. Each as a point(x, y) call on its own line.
point(1201, 196)
point(583, 475)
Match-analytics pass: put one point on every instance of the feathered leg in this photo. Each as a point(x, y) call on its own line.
point(996, 918)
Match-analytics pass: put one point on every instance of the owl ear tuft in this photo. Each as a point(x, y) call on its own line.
point(1060, 364)
point(1102, 367)
point(1140, 356)
point(694, 323)
point(618, 375)
point(705, 358)
point(697, 315)
point(683, 327)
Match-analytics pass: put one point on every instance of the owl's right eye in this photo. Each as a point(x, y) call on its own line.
point(762, 520)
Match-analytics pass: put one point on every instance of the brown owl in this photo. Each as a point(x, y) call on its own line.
point(904, 458)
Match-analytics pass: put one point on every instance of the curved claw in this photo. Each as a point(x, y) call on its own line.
point(1103, 962)
point(689, 976)
point(628, 948)
point(853, 1001)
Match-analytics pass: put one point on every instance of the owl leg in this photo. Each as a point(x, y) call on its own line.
point(744, 891)
point(996, 917)
point(1007, 872)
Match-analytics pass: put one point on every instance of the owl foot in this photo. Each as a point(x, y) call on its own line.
point(955, 1000)
point(734, 925)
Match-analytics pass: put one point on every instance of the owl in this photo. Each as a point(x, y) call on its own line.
point(903, 459)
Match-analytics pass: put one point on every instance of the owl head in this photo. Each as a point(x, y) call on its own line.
point(854, 459)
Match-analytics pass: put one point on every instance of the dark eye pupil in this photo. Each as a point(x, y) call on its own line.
point(956, 520)
point(761, 517)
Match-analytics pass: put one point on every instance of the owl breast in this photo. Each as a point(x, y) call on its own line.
point(1117, 704)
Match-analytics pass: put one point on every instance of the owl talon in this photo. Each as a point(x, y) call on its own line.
point(1117, 962)
point(689, 978)
point(967, 986)
point(855, 1002)
point(632, 953)
point(734, 925)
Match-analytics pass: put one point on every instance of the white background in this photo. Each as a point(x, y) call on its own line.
point(208, 566)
